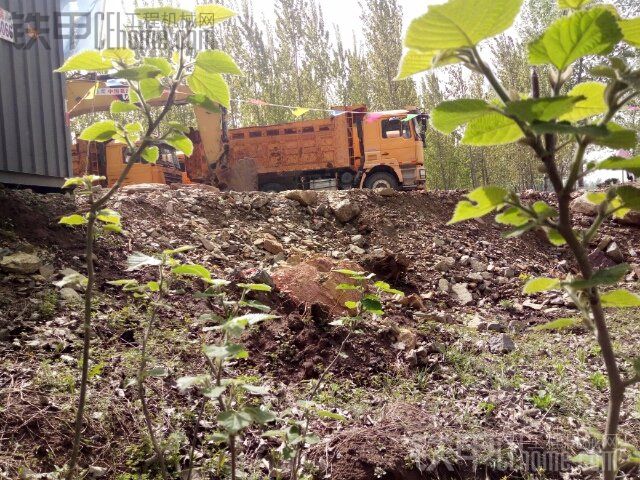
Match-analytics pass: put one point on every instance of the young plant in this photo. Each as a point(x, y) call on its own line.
point(147, 79)
point(230, 395)
point(581, 118)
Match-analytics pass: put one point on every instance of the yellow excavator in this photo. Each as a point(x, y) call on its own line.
point(353, 148)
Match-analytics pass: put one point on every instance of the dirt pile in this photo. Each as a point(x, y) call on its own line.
point(439, 357)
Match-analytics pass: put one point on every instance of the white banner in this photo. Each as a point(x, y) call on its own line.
point(6, 26)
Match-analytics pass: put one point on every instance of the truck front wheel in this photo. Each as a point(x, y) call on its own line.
point(381, 180)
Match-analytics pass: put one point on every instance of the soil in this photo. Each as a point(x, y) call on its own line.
point(419, 392)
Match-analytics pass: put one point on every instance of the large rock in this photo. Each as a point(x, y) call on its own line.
point(307, 198)
point(345, 210)
point(22, 263)
point(502, 343)
point(462, 293)
point(584, 206)
point(270, 244)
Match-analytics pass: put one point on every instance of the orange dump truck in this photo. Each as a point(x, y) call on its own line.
point(347, 150)
point(109, 159)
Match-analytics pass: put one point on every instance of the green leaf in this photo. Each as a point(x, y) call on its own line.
point(541, 284)
point(203, 101)
point(604, 276)
point(596, 197)
point(182, 249)
point(135, 127)
point(543, 109)
point(573, 4)
point(449, 115)
point(212, 14)
point(513, 216)
point(229, 350)
point(592, 104)
point(233, 422)
point(180, 141)
point(139, 260)
point(620, 299)
point(111, 227)
point(351, 305)
point(109, 216)
point(372, 305)
point(151, 88)
point(214, 392)
point(259, 415)
point(620, 163)
point(460, 23)
point(481, 201)
point(347, 287)
point(590, 459)
point(100, 131)
point(415, 61)
point(255, 305)
point(70, 182)
point(153, 286)
point(492, 129)
point(150, 154)
point(217, 61)
point(255, 389)
point(544, 210)
point(630, 196)
point(565, 128)
point(630, 31)
point(125, 56)
point(118, 106)
point(184, 383)
point(256, 287)
point(331, 415)
point(168, 15)
point(89, 60)
point(555, 238)
point(590, 32)
point(73, 220)
point(349, 273)
point(617, 137)
point(559, 324)
point(255, 318)
point(158, 372)
point(161, 64)
point(192, 270)
point(211, 85)
point(138, 73)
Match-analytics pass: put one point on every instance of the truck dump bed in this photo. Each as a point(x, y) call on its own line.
point(296, 147)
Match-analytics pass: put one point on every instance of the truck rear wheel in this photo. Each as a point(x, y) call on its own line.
point(381, 180)
point(272, 187)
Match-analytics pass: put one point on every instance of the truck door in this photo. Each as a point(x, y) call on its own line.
point(396, 141)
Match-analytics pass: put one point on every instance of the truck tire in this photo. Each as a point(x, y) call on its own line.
point(381, 180)
point(272, 187)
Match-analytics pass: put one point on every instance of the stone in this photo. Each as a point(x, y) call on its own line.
point(532, 305)
point(477, 323)
point(47, 271)
point(345, 210)
point(509, 272)
point(355, 249)
point(477, 266)
point(583, 206)
point(21, 263)
point(206, 243)
point(462, 293)
point(269, 244)
point(495, 327)
point(445, 264)
point(604, 242)
point(145, 187)
point(502, 343)
point(260, 202)
point(614, 253)
point(358, 240)
point(307, 198)
point(69, 295)
point(385, 192)
point(632, 218)
point(599, 260)
point(96, 472)
point(443, 285)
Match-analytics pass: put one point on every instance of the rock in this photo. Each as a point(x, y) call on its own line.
point(443, 285)
point(604, 243)
point(408, 338)
point(256, 275)
point(145, 187)
point(47, 271)
point(385, 192)
point(614, 253)
point(413, 301)
point(259, 202)
point(22, 263)
point(96, 472)
point(206, 243)
point(583, 206)
point(269, 244)
point(599, 260)
point(357, 250)
point(502, 343)
point(477, 266)
point(307, 198)
point(445, 264)
point(358, 240)
point(72, 279)
point(477, 323)
point(495, 327)
point(345, 210)
point(462, 293)
point(509, 272)
point(69, 295)
point(532, 305)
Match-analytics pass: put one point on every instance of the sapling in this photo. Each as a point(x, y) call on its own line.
point(235, 413)
point(147, 79)
point(581, 117)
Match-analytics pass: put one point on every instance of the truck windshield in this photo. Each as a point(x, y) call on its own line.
point(395, 128)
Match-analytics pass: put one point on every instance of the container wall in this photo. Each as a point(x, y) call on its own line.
point(34, 138)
